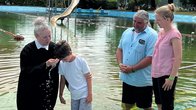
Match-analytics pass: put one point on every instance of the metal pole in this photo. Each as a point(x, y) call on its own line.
point(68, 22)
point(67, 28)
point(75, 23)
point(49, 10)
point(61, 34)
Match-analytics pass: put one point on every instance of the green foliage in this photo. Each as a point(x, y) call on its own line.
point(111, 5)
point(186, 2)
point(95, 4)
point(193, 2)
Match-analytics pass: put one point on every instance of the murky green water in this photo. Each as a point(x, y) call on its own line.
point(96, 40)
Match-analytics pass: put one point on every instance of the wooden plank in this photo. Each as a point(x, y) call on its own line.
point(189, 35)
point(186, 67)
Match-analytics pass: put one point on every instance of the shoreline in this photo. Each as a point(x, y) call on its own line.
point(109, 13)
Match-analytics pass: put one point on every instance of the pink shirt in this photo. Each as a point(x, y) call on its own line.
point(163, 56)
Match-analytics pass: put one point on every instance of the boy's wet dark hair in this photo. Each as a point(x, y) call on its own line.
point(62, 49)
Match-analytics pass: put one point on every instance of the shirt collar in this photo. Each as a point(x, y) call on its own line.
point(38, 45)
point(146, 30)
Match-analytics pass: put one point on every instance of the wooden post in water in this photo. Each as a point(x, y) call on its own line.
point(186, 67)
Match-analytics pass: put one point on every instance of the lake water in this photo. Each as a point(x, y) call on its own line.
point(96, 39)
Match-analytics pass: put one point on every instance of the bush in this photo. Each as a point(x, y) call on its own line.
point(111, 5)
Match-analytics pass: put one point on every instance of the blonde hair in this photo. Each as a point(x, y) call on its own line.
point(166, 11)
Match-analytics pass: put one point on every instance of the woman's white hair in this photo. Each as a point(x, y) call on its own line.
point(40, 24)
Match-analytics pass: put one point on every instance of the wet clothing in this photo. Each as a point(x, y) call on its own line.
point(166, 98)
point(74, 72)
point(162, 64)
point(141, 96)
point(36, 90)
point(80, 104)
point(135, 47)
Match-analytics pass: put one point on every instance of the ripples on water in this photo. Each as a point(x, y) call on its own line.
point(96, 40)
point(9, 65)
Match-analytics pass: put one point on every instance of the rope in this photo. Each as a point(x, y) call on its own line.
point(16, 37)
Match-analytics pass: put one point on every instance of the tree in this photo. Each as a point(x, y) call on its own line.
point(188, 2)
point(170, 1)
point(192, 2)
point(153, 4)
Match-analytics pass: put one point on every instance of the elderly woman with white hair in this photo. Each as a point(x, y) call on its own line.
point(38, 80)
point(134, 56)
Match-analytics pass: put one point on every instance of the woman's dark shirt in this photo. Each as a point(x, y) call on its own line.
point(36, 91)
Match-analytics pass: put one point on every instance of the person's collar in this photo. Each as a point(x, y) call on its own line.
point(133, 29)
point(38, 45)
point(145, 30)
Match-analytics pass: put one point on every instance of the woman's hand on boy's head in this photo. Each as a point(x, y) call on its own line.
point(52, 62)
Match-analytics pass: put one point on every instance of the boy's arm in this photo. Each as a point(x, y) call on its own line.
point(88, 77)
point(62, 86)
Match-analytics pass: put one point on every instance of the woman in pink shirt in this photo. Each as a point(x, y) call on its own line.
point(166, 58)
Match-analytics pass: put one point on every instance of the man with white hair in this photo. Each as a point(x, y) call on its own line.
point(134, 56)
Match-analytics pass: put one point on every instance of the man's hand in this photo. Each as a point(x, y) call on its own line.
point(125, 68)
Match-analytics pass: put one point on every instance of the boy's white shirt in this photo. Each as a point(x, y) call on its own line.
point(74, 72)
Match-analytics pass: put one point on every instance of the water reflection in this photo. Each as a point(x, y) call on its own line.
point(96, 40)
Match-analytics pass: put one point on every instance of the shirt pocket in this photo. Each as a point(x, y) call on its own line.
point(140, 48)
